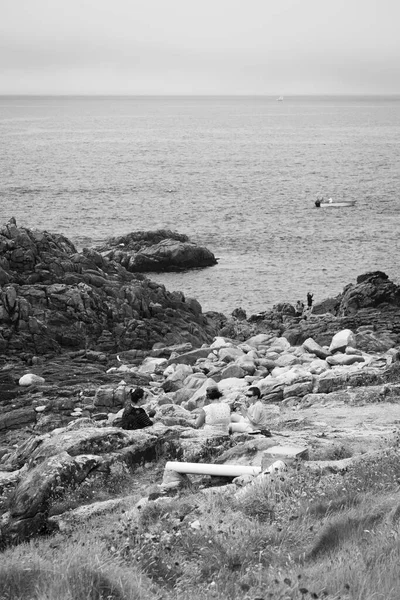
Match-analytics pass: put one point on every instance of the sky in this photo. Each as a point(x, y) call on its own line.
point(211, 47)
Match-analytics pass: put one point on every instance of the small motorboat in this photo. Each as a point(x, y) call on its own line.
point(320, 203)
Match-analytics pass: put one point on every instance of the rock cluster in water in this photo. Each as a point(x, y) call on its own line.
point(162, 250)
point(78, 330)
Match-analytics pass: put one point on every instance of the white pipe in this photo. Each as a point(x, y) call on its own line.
point(207, 469)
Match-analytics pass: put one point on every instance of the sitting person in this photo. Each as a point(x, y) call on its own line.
point(135, 417)
point(252, 417)
point(214, 417)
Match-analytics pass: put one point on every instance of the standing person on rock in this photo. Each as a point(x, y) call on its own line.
point(310, 297)
point(252, 417)
point(135, 417)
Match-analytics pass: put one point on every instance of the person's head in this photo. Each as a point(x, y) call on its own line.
point(212, 391)
point(253, 393)
point(136, 395)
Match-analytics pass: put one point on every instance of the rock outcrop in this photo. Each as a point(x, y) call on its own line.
point(47, 466)
point(54, 298)
point(370, 306)
point(161, 250)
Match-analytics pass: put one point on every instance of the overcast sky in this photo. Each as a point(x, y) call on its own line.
point(276, 47)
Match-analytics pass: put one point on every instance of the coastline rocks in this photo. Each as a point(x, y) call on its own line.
point(170, 255)
point(371, 290)
point(66, 397)
point(370, 308)
point(46, 465)
point(55, 298)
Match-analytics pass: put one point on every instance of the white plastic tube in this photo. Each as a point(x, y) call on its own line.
point(206, 469)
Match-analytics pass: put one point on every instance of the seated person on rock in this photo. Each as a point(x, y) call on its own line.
point(215, 416)
point(252, 417)
point(135, 417)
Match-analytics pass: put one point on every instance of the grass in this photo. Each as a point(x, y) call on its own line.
point(300, 536)
point(77, 572)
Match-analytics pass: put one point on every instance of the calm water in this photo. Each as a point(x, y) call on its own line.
point(237, 174)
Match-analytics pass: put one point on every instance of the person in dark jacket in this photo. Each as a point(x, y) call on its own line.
point(135, 417)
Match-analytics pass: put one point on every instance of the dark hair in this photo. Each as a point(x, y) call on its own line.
point(137, 394)
point(213, 393)
point(255, 391)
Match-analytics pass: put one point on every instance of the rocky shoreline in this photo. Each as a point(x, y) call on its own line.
point(78, 330)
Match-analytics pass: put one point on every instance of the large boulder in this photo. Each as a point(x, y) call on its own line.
point(371, 290)
point(341, 340)
point(162, 250)
point(170, 255)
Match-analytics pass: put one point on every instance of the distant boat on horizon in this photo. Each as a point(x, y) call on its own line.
point(280, 99)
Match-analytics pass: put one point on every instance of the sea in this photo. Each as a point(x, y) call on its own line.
point(238, 175)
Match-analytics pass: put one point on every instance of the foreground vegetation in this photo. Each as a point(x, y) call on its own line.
point(300, 536)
